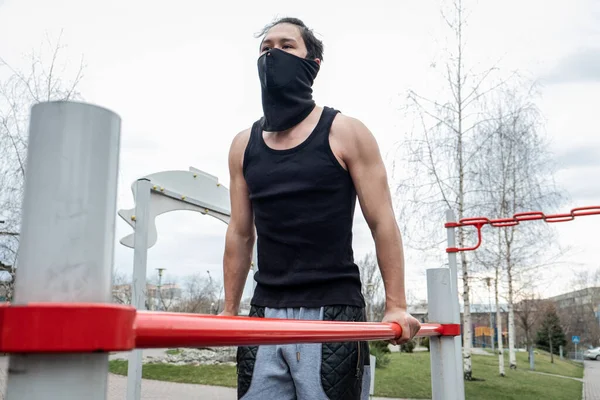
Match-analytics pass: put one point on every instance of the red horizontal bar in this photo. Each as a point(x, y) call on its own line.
point(79, 328)
point(583, 211)
point(158, 330)
point(559, 218)
point(529, 216)
point(60, 327)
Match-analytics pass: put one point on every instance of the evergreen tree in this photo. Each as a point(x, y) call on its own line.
point(551, 335)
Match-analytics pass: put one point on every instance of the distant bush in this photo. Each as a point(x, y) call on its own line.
point(425, 343)
point(380, 345)
point(382, 357)
point(407, 347)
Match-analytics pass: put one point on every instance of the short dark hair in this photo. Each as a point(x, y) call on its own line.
point(314, 46)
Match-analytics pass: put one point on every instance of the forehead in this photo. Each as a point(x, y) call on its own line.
point(283, 31)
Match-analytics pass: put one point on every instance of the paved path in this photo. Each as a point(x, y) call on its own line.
point(151, 390)
point(556, 376)
point(591, 380)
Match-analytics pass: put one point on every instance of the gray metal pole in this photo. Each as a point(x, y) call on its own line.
point(143, 189)
point(452, 265)
point(561, 352)
point(160, 299)
point(531, 359)
point(67, 238)
point(447, 382)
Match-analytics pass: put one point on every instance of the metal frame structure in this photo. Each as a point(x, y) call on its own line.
point(62, 325)
point(154, 195)
point(478, 223)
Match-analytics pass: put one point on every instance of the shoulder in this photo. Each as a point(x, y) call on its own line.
point(350, 129)
point(351, 136)
point(241, 139)
point(238, 147)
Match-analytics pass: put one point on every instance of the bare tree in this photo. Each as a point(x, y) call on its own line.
point(46, 78)
point(516, 175)
point(370, 277)
point(440, 156)
point(529, 313)
point(121, 288)
point(200, 294)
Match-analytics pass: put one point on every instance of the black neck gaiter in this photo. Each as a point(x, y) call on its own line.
point(286, 82)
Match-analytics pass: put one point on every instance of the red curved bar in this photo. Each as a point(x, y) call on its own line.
point(479, 222)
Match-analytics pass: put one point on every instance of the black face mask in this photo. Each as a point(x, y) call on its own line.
point(286, 83)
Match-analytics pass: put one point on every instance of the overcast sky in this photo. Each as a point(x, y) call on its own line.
point(182, 75)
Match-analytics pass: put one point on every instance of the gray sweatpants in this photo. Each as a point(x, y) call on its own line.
point(309, 371)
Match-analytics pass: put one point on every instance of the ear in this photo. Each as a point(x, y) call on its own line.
point(318, 61)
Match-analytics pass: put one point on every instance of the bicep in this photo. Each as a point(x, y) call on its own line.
point(369, 175)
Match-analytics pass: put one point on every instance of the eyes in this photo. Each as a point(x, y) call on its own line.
point(284, 47)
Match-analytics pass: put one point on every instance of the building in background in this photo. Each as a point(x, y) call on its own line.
point(579, 313)
point(169, 296)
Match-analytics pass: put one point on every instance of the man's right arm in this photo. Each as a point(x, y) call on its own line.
point(240, 236)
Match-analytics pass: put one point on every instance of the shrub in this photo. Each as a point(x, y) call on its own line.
point(380, 345)
point(382, 357)
point(408, 347)
point(425, 343)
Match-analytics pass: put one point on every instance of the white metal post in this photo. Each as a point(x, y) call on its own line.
point(453, 266)
point(372, 364)
point(143, 193)
point(447, 381)
point(67, 238)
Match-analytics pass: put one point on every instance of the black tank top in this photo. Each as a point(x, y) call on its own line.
point(303, 202)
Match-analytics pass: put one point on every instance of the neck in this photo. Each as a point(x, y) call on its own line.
point(311, 120)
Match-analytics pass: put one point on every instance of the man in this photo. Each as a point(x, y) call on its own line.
point(295, 176)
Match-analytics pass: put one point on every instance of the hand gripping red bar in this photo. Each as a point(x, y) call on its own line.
point(52, 327)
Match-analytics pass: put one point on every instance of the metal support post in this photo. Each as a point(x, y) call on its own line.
point(67, 239)
point(447, 381)
point(531, 358)
point(143, 189)
point(453, 300)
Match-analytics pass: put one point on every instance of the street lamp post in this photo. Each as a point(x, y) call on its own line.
point(160, 274)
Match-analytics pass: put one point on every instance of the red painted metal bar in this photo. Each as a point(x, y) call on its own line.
point(66, 327)
point(191, 330)
point(479, 222)
point(52, 327)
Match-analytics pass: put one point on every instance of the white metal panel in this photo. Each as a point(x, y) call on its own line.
point(192, 190)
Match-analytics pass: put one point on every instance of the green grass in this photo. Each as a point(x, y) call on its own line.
point(173, 352)
point(408, 376)
point(214, 375)
point(560, 367)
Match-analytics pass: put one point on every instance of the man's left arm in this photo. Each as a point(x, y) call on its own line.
point(365, 165)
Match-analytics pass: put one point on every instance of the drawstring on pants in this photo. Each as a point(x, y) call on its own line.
point(300, 317)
